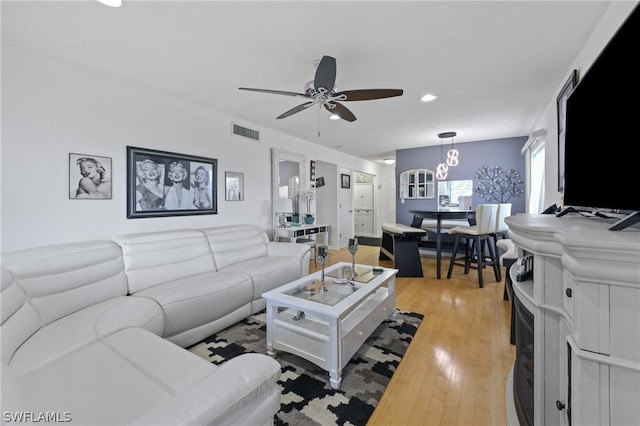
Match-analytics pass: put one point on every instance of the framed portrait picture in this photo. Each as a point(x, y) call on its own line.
point(89, 177)
point(345, 181)
point(312, 170)
point(234, 186)
point(161, 183)
point(561, 102)
point(319, 182)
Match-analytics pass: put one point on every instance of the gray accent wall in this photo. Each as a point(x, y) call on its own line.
point(495, 152)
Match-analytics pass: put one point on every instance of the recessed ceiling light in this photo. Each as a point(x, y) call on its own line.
point(112, 3)
point(428, 97)
point(334, 117)
point(389, 161)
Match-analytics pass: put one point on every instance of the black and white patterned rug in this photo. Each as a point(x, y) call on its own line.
point(307, 397)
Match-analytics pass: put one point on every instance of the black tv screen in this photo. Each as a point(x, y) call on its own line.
point(602, 170)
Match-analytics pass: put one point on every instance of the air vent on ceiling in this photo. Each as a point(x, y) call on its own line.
point(246, 132)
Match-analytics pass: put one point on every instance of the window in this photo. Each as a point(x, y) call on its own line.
point(416, 183)
point(536, 191)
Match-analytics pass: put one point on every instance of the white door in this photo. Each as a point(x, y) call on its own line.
point(346, 212)
point(363, 196)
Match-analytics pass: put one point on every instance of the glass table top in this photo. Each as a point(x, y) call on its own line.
point(334, 290)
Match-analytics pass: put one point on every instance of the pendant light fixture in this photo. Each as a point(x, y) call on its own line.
point(452, 154)
point(443, 168)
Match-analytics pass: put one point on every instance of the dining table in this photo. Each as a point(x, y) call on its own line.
point(440, 215)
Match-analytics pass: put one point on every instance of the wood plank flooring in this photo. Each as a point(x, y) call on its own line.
point(455, 370)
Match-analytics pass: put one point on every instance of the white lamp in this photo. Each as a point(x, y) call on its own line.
point(452, 154)
point(443, 168)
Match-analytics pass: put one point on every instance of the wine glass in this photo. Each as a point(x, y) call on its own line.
point(353, 248)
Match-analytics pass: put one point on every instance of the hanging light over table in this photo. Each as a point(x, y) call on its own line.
point(443, 168)
point(452, 154)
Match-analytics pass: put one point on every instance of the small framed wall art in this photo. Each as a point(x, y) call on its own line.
point(345, 181)
point(89, 177)
point(234, 186)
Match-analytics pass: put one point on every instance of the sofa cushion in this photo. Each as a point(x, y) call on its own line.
point(268, 273)
point(65, 278)
point(236, 243)
point(197, 300)
point(135, 377)
point(43, 284)
point(85, 327)
point(160, 257)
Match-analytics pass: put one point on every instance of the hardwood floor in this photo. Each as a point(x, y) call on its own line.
point(455, 370)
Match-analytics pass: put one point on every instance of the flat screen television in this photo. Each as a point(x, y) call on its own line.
point(602, 171)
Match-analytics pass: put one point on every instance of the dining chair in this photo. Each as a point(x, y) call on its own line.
point(475, 239)
point(501, 229)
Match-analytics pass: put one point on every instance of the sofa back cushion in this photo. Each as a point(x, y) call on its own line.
point(156, 258)
point(233, 244)
point(43, 284)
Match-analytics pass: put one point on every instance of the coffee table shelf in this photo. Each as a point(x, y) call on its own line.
point(330, 333)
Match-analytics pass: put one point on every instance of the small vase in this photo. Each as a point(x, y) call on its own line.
point(308, 220)
point(295, 218)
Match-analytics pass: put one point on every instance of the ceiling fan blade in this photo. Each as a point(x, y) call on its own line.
point(341, 111)
point(369, 94)
point(325, 74)
point(296, 109)
point(275, 92)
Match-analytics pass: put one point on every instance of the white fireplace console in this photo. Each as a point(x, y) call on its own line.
point(585, 299)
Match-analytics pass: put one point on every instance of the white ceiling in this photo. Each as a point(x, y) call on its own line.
point(493, 65)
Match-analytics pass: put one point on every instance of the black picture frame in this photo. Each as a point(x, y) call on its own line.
point(320, 182)
point(153, 179)
point(561, 103)
point(89, 177)
point(345, 181)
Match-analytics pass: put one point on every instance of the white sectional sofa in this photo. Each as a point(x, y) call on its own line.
point(93, 333)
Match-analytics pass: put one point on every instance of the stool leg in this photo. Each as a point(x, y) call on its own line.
point(478, 244)
point(453, 255)
point(494, 261)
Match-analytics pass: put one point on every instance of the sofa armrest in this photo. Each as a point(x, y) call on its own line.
point(287, 249)
point(243, 390)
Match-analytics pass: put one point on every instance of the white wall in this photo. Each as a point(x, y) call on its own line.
point(610, 22)
point(50, 109)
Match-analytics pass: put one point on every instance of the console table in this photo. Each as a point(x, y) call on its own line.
point(301, 232)
point(583, 362)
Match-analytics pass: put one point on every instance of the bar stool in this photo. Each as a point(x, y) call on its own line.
point(480, 236)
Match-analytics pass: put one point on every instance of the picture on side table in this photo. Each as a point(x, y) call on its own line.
point(234, 186)
point(89, 177)
point(161, 183)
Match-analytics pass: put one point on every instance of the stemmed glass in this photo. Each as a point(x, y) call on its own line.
point(323, 259)
point(353, 248)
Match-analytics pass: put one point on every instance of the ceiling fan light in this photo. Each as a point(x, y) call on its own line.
point(334, 117)
point(428, 97)
point(111, 3)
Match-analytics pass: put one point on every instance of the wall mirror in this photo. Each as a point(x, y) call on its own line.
point(455, 193)
point(287, 174)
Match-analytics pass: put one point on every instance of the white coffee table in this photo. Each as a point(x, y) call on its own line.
point(328, 327)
